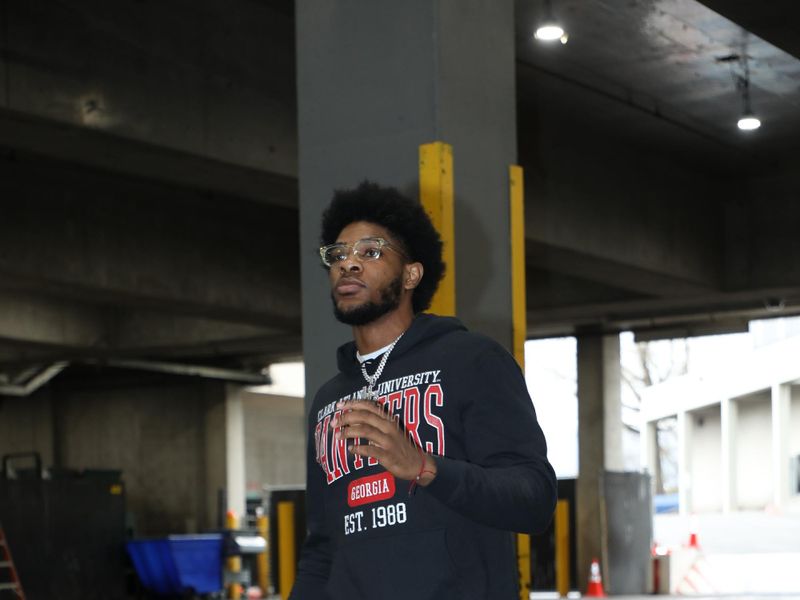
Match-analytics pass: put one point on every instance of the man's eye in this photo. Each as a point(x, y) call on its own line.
point(372, 252)
point(336, 255)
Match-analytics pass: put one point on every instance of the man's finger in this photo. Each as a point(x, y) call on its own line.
point(362, 406)
point(375, 452)
point(346, 419)
point(367, 432)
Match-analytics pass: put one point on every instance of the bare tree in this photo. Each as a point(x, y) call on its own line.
point(651, 364)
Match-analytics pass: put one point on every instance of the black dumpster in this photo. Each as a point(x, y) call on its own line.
point(65, 529)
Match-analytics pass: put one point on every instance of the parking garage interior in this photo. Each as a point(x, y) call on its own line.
point(162, 172)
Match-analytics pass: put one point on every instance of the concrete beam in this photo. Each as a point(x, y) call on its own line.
point(626, 276)
point(126, 243)
point(701, 314)
point(249, 353)
point(138, 333)
point(35, 328)
point(150, 330)
point(94, 148)
point(36, 321)
point(254, 351)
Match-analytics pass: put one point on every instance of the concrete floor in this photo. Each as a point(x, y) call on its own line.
point(755, 532)
point(743, 556)
point(741, 553)
point(553, 596)
point(721, 596)
point(725, 596)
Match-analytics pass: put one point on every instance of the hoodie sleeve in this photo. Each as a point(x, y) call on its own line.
point(313, 568)
point(506, 481)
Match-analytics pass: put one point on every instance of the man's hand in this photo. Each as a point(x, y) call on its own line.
point(387, 442)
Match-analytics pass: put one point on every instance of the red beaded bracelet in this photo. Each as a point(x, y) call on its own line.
point(422, 470)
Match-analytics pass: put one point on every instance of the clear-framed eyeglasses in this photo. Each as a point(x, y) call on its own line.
point(364, 250)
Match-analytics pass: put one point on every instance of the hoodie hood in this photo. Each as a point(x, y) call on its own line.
point(423, 328)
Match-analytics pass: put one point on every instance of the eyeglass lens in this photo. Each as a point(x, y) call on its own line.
point(363, 249)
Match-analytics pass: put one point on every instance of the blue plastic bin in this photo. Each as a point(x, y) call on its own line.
point(665, 503)
point(179, 563)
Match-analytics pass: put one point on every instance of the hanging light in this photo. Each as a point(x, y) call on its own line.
point(550, 30)
point(748, 121)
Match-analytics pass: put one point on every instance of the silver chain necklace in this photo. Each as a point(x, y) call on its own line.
point(368, 392)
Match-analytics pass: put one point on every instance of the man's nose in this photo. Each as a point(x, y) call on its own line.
point(350, 264)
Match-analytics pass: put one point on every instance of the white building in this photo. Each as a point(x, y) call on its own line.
point(738, 432)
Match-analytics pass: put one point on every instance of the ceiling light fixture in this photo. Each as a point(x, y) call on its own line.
point(748, 121)
point(550, 30)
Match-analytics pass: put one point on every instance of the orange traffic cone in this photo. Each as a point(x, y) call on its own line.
point(693, 541)
point(595, 589)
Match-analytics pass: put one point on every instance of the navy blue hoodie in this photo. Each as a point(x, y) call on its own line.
point(463, 398)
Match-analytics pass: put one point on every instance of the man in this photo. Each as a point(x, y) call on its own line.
point(424, 451)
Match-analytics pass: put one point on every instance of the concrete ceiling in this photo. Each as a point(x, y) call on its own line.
point(150, 194)
point(676, 61)
point(653, 83)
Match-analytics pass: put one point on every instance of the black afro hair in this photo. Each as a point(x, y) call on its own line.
point(405, 219)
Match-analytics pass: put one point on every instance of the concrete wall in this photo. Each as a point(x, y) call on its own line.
point(706, 480)
point(26, 424)
point(167, 438)
point(156, 436)
point(754, 452)
point(275, 447)
point(156, 433)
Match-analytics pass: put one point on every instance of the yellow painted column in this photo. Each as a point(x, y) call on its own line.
point(524, 564)
point(287, 556)
point(234, 563)
point(562, 547)
point(262, 560)
point(436, 196)
point(517, 237)
point(519, 324)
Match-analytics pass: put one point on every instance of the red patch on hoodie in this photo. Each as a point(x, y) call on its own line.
point(372, 488)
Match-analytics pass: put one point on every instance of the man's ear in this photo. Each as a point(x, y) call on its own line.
point(412, 275)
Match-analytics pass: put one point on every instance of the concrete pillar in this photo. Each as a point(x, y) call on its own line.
point(376, 80)
point(685, 433)
point(599, 435)
point(235, 481)
point(225, 451)
point(781, 403)
point(649, 458)
point(730, 416)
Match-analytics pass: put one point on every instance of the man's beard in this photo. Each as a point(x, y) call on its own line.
point(370, 311)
